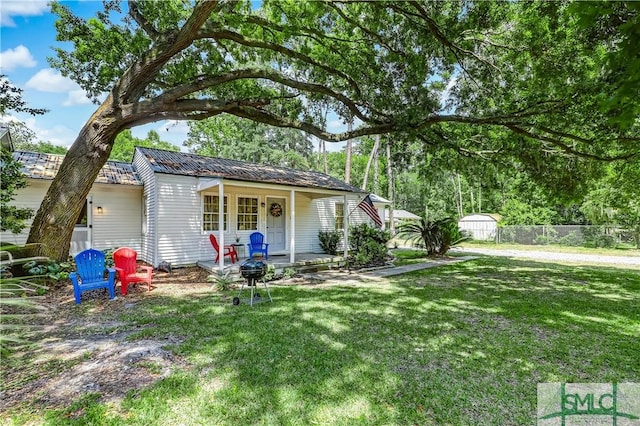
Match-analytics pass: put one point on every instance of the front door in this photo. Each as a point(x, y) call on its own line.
point(276, 224)
point(81, 237)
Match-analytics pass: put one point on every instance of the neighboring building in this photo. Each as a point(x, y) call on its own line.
point(166, 204)
point(480, 226)
point(403, 216)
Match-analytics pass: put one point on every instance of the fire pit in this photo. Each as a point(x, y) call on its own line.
point(252, 270)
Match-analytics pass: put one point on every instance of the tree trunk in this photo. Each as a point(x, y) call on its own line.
point(473, 204)
point(460, 212)
point(376, 171)
point(347, 164)
point(374, 154)
point(392, 226)
point(55, 220)
point(324, 157)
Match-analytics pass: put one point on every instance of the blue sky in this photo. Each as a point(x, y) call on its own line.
point(27, 36)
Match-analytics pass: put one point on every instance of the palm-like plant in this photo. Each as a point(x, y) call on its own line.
point(438, 236)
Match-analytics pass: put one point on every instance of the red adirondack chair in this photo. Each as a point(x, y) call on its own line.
point(228, 250)
point(129, 271)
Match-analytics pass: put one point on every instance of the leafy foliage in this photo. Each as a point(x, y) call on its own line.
point(368, 246)
point(437, 236)
point(12, 218)
point(17, 305)
point(221, 282)
point(11, 99)
point(125, 144)
point(329, 241)
point(246, 140)
point(497, 83)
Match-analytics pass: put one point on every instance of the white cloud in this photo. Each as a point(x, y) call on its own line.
point(11, 59)
point(12, 8)
point(49, 80)
point(77, 97)
point(57, 135)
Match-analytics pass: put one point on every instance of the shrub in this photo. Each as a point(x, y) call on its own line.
point(220, 282)
point(437, 237)
point(451, 236)
point(17, 305)
point(571, 239)
point(368, 246)
point(329, 241)
point(271, 272)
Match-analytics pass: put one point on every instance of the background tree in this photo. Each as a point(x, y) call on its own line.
point(247, 140)
point(125, 144)
point(425, 70)
point(11, 99)
point(12, 179)
point(12, 218)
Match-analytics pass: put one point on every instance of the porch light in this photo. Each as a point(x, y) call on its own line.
point(99, 209)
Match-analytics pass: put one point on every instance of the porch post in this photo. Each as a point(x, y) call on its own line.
point(292, 227)
point(345, 225)
point(221, 227)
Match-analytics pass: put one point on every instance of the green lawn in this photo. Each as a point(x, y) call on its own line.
point(459, 344)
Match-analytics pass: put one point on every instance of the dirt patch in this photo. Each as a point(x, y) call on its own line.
point(84, 351)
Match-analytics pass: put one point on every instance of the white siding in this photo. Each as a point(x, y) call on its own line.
point(479, 226)
point(178, 220)
point(181, 239)
point(149, 228)
point(119, 224)
point(30, 197)
point(313, 216)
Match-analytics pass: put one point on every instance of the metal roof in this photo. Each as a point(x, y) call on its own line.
point(180, 163)
point(38, 165)
point(404, 214)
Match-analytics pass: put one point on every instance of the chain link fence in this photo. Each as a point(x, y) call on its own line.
point(568, 235)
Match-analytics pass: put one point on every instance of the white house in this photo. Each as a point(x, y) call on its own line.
point(184, 193)
point(165, 204)
point(481, 226)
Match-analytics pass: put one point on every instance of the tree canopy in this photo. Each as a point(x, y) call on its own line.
point(522, 79)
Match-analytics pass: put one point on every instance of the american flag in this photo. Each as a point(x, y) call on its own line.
point(370, 210)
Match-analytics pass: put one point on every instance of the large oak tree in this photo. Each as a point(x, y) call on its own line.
point(426, 70)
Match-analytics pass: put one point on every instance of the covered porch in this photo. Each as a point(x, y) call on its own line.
point(302, 262)
point(291, 231)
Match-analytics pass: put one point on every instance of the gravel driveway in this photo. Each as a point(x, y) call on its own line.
point(562, 257)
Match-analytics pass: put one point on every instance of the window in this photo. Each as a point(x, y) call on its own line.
point(144, 214)
point(339, 216)
point(211, 213)
point(247, 214)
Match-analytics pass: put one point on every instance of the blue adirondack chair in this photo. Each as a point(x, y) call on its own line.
point(256, 245)
point(90, 274)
